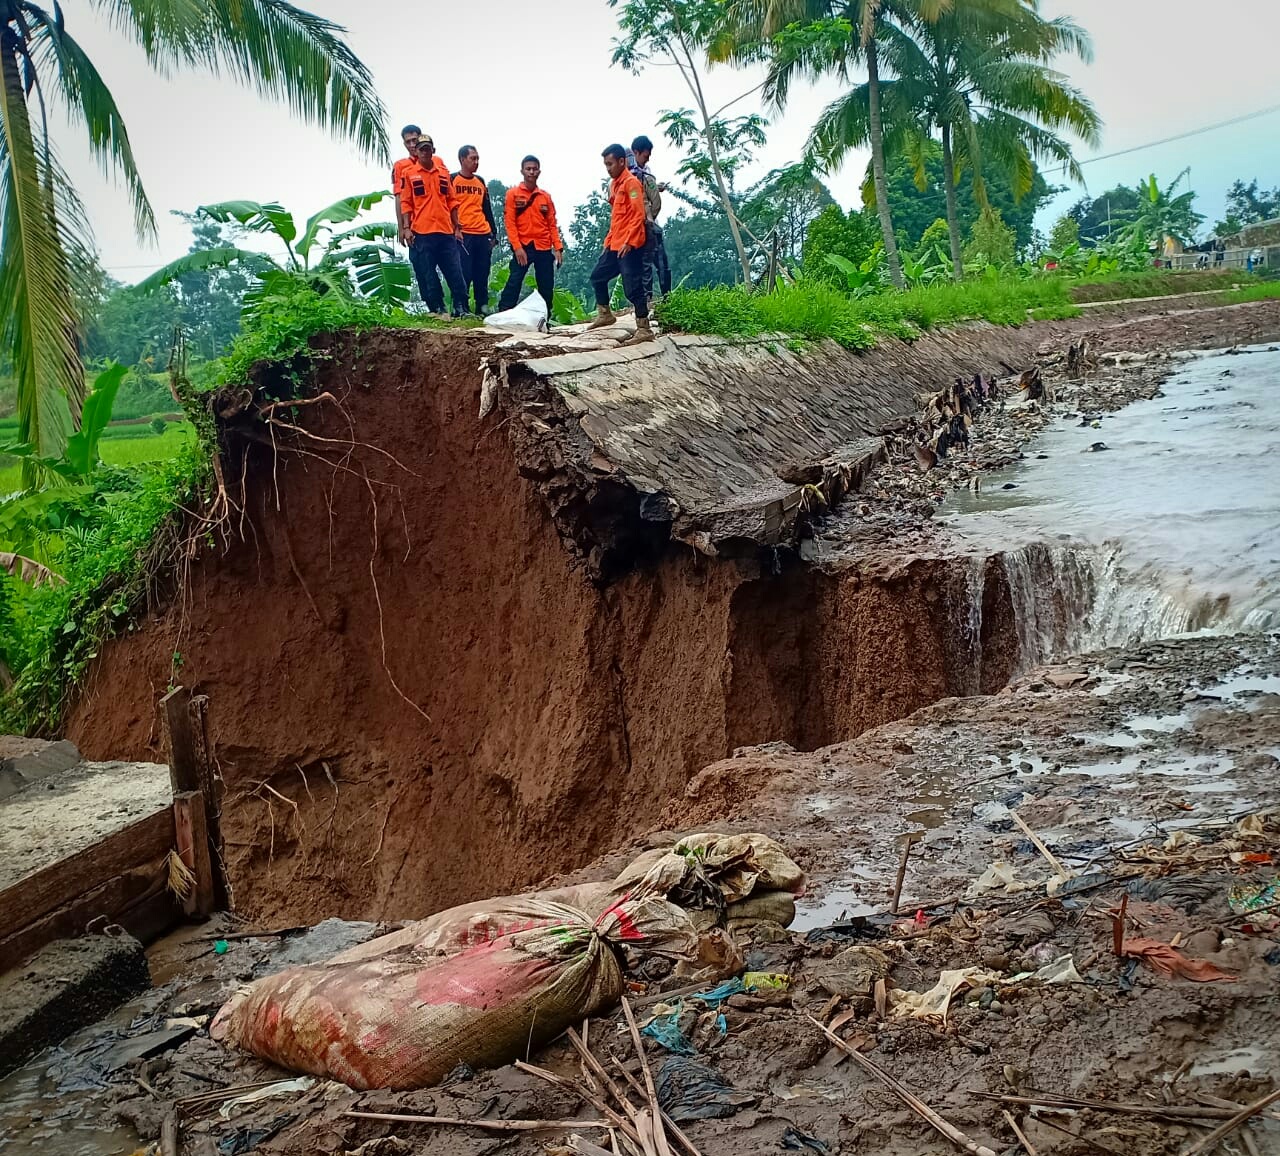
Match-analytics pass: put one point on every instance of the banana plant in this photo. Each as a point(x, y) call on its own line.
point(863, 278)
point(80, 456)
point(357, 261)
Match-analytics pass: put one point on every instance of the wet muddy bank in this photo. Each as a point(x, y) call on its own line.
point(397, 646)
point(1149, 772)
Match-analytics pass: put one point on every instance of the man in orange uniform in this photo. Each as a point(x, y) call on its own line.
point(623, 246)
point(530, 217)
point(431, 229)
point(479, 230)
point(400, 170)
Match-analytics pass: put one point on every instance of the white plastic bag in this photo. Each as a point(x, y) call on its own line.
point(530, 314)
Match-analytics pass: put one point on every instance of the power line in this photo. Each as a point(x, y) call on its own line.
point(1182, 135)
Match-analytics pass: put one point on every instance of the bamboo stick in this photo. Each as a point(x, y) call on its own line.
point(489, 1125)
point(945, 1128)
point(1039, 846)
point(659, 1131)
point(1211, 1141)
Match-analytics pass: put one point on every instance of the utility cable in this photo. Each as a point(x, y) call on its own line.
point(1182, 135)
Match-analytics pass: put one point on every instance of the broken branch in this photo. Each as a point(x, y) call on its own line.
point(490, 1125)
point(912, 1101)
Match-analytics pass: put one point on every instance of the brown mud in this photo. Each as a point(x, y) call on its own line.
point(417, 696)
point(566, 715)
point(1150, 772)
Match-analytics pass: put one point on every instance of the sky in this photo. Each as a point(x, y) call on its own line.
point(486, 73)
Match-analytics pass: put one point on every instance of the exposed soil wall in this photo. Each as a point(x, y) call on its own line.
point(538, 715)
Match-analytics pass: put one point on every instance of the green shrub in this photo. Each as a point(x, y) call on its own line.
point(157, 424)
point(852, 236)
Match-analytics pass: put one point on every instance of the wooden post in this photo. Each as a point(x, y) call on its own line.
point(191, 825)
point(184, 769)
point(191, 781)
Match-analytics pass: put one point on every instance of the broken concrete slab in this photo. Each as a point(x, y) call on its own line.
point(24, 761)
point(68, 811)
point(65, 986)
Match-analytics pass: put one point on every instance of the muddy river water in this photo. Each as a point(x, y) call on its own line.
point(1164, 517)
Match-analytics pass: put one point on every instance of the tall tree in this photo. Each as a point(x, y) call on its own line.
point(979, 74)
point(684, 32)
point(1102, 216)
point(806, 39)
point(1247, 205)
point(917, 203)
point(287, 54)
point(787, 200)
point(976, 73)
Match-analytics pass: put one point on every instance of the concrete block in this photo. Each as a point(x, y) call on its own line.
point(65, 986)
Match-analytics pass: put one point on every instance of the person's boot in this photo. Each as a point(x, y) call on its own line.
point(643, 333)
point(604, 318)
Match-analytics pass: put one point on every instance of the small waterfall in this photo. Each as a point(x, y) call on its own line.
point(966, 596)
point(1073, 599)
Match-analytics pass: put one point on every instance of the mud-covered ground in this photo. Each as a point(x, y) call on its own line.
point(1150, 772)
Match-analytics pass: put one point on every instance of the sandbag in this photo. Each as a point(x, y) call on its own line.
point(531, 313)
point(709, 869)
point(404, 1019)
point(470, 924)
point(708, 874)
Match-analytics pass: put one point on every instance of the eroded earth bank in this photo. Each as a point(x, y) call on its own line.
point(448, 656)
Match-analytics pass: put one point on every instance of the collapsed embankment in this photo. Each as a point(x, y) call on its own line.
point(418, 695)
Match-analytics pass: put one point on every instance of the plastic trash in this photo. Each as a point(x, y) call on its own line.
point(529, 315)
point(666, 1030)
point(1169, 961)
point(1059, 971)
point(798, 1140)
point(936, 1002)
point(688, 1090)
point(1245, 899)
point(280, 1088)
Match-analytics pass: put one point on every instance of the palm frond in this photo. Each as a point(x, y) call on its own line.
point(88, 100)
point(284, 52)
point(199, 262)
point(40, 321)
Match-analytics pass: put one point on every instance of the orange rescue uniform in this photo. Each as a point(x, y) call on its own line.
point(627, 222)
point(472, 194)
point(427, 199)
point(531, 219)
point(399, 173)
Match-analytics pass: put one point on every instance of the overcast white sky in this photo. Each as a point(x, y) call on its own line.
point(517, 76)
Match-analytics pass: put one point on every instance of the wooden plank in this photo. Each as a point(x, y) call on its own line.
point(59, 883)
point(184, 768)
point(192, 841)
point(137, 900)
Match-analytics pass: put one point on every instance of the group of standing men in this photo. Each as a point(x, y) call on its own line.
point(446, 220)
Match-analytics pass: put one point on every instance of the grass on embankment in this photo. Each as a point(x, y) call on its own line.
point(813, 310)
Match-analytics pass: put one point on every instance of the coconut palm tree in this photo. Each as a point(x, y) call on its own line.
point(979, 75)
point(287, 54)
point(806, 39)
